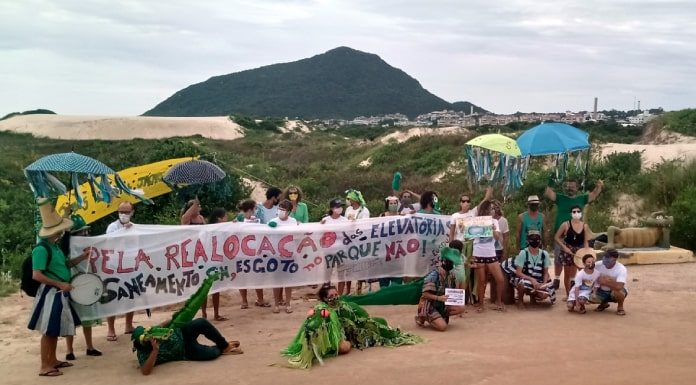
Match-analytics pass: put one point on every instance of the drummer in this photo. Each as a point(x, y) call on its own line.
point(80, 229)
point(52, 313)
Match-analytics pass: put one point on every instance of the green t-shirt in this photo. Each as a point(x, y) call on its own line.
point(530, 224)
point(301, 214)
point(533, 259)
point(58, 269)
point(171, 349)
point(563, 205)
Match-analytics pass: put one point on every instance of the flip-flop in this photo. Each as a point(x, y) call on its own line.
point(276, 309)
point(51, 373)
point(220, 318)
point(620, 312)
point(288, 309)
point(244, 306)
point(602, 307)
point(128, 331)
point(262, 304)
point(63, 364)
point(112, 337)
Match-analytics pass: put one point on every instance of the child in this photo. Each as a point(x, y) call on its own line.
point(247, 210)
point(585, 285)
point(283, 219)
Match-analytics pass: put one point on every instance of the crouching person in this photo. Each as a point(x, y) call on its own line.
point(529, 272)
point(161, 344)
point(432, 308)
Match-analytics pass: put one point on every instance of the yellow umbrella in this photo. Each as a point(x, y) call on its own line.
point(146, 178)
point(497, 143)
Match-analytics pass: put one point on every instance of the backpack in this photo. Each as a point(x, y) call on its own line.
point(28, 284)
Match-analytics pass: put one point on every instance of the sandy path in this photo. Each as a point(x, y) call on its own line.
point(654, 344)
point(122, 127)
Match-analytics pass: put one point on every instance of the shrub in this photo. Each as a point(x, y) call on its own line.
point(684, 210)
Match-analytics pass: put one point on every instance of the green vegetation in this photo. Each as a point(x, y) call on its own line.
point(30, 112)
point(266, 124)
point(683, 121)
point(341, 83)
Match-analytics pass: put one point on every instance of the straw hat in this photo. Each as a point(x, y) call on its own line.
point(577, 259)
point(51, 222)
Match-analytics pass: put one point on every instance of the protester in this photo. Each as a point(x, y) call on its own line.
point(571, 236)
point(487, 261)
point(430, 203)
point(563, 204)
point(181, 344)
point(612, 282)
point(356, 208)
point(299, 209)
point(52, 313)
point(334, 326)
point(432, 308)
point(248, 208)
point(406, 205)
point(125, 214)
point(501, 244)
point(391, 206)
point(529, 272)
point(585, 283)
point(333, 215)
point(283, 219)
point(268, 209)
point(79, 229)
point(191, 213)
point(458, 223)
point(532, 219)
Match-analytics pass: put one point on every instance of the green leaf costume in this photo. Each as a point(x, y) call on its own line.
point(322, 332)
point(194, 303)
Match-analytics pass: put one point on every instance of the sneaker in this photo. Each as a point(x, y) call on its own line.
point(556, 283)
point(94, 352)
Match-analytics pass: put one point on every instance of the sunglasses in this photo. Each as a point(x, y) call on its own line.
point(465, 201)
point(576, 211)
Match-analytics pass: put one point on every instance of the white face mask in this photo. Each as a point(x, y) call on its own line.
point(337, 210)
point(282, 214)
point(124, 218)
point(577, 215)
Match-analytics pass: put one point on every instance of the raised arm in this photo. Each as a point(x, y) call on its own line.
point(597, 190)
point(149, 364)
point(549, 193)
point(190, 213)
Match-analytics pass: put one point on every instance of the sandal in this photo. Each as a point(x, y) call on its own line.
point(51, 373)
point(112, 337)
point(419, 322)
point(620, 312)
point(262, 304)
point(276, 309)
point(500, 308)
point(602, 307)
point(220, 318)
point(288, 309)
point(244, 306)
point(480, 309)
point(63, 364)
point(70, 356)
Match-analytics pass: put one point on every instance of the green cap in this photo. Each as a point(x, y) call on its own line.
point(450, 254)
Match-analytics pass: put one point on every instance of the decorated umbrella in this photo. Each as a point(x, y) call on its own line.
point(45, 184)
point(193, 172)
point(560, 140)
point(495, 158)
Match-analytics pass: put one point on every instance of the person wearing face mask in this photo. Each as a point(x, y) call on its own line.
point(299, 209)
point(532, 219)
point(334, 326)
point(391, 206)
point(563, 205)
point(529, 272)
point(283, 219)
point(571, 236)
point(585, 281)
point(125, 214)
point(431, 307)
point(612, 282)
point(333, 216)
point(52, 313)
point(406, 205)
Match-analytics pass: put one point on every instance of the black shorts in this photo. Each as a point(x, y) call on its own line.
point(486, 260)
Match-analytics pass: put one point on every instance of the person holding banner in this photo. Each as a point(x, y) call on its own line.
point(486, 259)
point(248, 209)
point(268, 209)
point(431, 307)
point(299, 209)
point(333, 216)
point(283, 219)
point(430, 203)
point(126, 210)
point(355, 210)
point(391, 207)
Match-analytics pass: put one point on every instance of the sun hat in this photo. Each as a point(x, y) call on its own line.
point(577, 258)
point(532, 199)
point(51, 222)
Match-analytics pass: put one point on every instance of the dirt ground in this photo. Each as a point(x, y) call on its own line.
point(654, 343)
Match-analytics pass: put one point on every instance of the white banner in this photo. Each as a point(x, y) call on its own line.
point(147, 266)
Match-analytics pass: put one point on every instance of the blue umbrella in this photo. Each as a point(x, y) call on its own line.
point(551, 139)
point(45, 184)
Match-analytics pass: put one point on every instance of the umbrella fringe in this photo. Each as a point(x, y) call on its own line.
point(76, 186)
point(124, 187)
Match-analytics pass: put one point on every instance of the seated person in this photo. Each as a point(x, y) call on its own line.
point(529, 272)
point(154, 346)
point(612, 282)
point(432, 308)
point(584, 286)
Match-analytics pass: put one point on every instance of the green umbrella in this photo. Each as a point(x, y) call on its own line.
point(497, 143)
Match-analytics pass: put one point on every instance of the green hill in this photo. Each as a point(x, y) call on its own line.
point(341, 83)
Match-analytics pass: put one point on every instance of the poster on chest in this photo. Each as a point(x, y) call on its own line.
point(146, 266)
point(478, 227)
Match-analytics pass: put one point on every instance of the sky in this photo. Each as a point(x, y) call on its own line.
point(124, 57)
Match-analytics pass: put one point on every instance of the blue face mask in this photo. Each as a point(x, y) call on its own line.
point(609, 262)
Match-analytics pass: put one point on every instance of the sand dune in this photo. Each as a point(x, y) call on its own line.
point(121, 127)
point(653, 154)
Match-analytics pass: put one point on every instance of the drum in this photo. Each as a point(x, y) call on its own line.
point(87, 289)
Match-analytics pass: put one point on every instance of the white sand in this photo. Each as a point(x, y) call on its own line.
point(402, 136)
point(653, 154)
point(122, 128)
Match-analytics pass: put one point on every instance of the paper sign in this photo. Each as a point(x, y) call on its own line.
point(478, 227)
point(455, 297)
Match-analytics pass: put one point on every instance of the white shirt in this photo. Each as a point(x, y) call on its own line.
point(485, 247)
point(353, 214)
point(618, 273)
point(458, 222)
point(504, 229)
point(264, 214)
point(288, 222)
point(330, 220)
point(115, 226)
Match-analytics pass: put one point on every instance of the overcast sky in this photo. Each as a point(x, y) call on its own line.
point(123, 57)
